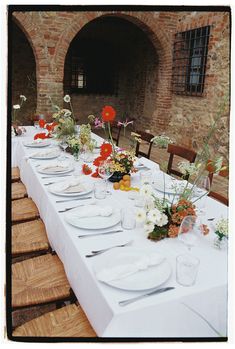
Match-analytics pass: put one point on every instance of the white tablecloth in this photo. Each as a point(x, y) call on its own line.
point(168, 315)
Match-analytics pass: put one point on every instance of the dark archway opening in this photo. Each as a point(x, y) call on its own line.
point(23, 75)
point(111, 61)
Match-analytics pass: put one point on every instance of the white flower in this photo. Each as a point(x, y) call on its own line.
point(222, 226)
point(154, 215)
point(187, 168)
point(146, 190)
point(67, 99)
point(149, 203)
point(23, 97)
point(148, 227)
point(140, 215)
point(162, 221)
point(67, 113)
point(16, 106)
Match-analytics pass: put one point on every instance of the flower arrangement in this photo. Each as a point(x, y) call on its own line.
point(161, 141)
point(221, 229)
point(161, 218)
point(86, 141)
point(48, 126)
point(74, 144)
point(16, 130)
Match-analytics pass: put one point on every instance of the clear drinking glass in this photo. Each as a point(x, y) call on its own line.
point(187, 269)
point(64, 145)
point(128, 218)
point(100, 190)
point(189, 231)
point(146, 177)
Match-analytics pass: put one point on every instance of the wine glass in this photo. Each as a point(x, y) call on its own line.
point(105, 170)
point(64, 145)
point(189, 231)
point(200, 193)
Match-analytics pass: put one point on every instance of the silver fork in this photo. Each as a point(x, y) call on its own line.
point(97, 252)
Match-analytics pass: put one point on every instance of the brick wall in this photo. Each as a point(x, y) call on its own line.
point(145, 77)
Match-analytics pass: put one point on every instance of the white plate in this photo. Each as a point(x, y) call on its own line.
point(48, 172)
point(46, 157)
point(37, 144)
point(149, 278)
point(96, 223)
point(88, 189)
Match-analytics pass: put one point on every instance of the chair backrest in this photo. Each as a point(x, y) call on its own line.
point(116, 132)
point(224, 200)
point(184, 153)
point(146, 137)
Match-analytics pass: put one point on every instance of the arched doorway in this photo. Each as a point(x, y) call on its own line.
point(23, 74)
point(111, 61)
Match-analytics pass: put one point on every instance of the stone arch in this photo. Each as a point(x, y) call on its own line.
point(156, 34)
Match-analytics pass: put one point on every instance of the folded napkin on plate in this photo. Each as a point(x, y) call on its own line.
point(70, 186)
point(126, 269)
point(55, 167)
point(44, 153)
point(92, 211)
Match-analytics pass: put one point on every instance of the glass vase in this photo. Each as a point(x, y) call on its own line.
point(220, 244)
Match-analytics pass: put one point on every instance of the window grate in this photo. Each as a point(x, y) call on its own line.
point(189, 61)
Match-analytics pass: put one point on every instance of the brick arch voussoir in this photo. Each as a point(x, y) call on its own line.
point(141, 20)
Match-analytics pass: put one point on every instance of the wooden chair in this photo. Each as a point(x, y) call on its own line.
point(182, 152)
point(69, 321)
point(23, 210)
point(18, 191)
point(39, 280)
point(116, 132)
point(146, 138)
point(15, 174)
point(29, 238)
point(223, 199)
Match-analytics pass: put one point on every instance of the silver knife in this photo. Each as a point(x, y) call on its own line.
point(97, 234)
point(74, 199)
point(132, 300)
point(55, 176)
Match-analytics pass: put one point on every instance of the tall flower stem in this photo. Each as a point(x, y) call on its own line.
point(71, 107)
point(111, 139)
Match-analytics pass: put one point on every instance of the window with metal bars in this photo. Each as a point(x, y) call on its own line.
point(189, 61)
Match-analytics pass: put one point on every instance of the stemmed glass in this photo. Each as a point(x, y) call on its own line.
point(200, 193)
point(189, 231)
point(64, 145)
point(105, 170)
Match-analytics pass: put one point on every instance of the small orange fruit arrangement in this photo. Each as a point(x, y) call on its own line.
point(124, 184)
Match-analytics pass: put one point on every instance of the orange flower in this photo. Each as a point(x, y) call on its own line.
point(86, 169)
point(41, 123)
point(105, 150)
point(95, 174)
point(108, 113)
point(40, 136)
point(173, 231)
point(98, 160)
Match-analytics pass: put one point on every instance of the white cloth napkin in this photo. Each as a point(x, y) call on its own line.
point(92, 211)
point(73, 184)
point(55, 166)
point(121, 271)
point(44, 153)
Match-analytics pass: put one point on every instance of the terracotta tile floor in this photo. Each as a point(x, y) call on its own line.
point(160, 156)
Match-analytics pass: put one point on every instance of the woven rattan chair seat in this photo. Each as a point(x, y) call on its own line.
point(39, 280)
point(18, 191)
point(15, 174)
point(29, 237)
point(69, 321)
point(23, 210)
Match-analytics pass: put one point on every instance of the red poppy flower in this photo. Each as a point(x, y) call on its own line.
point(106, 150)
point(98, 160)
point(108, 113)
point(40, 136)
point(86, 169)
point(41, 123)
point(95, 174)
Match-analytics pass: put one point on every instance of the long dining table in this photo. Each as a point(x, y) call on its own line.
point(198, 311)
